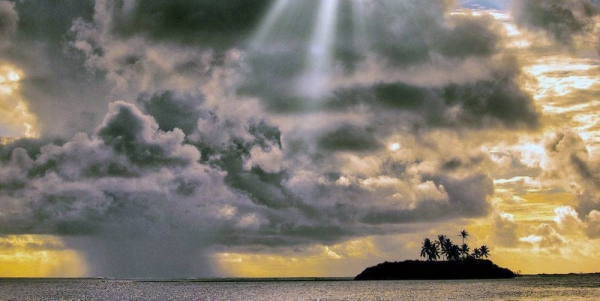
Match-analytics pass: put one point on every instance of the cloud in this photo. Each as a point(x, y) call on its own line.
point(348, 137)
point(8, 20)
point(132, 178)
point(173, 111)
point(50, 77)
point(505, 230)
point(567, 218)
point(593, 223)
point(185, 22)
point(407, 33)
point(571, 162)
point(396, 35)
point(560, 20)
point(128, 180)
point(546, 238)
point(491, 102)
point(215, 145)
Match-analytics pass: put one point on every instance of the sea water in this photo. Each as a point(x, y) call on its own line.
point(572, 287)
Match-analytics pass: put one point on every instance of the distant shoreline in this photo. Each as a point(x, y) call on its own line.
point(267, 279)
point(232, 279)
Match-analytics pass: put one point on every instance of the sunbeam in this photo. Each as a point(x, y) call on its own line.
point(320, 55)
point(267, 25)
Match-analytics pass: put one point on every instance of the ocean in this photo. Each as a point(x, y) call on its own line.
point(566, 287)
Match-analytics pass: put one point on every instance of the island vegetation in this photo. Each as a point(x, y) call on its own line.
point(443, 260)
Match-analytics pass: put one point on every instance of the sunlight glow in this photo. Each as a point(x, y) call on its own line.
point(13, 76)
point(38, 256)
point(554, 109)
point(16, 120)
point(556, 76)
point(561, 86)
point(310, 261)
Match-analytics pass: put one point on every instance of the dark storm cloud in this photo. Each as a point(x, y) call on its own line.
point(8, 21)
point(139, 64)
point(86, 185)
point(561, 20)
point(173, 111)
point(469, 37)
point(489, 102)
point(407, 33)
point(31, 146)
point(500, 99)
point(125, 187)
point(54, 78)
point(71, 208)
point(217, 23)
point(351, 138)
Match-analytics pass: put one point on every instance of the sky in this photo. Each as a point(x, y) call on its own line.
point(288, 138)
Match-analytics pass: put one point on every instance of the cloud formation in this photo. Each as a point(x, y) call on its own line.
point(560, 20)
point(9, 18)
point(212, 143)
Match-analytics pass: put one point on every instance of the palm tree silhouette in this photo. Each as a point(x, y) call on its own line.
point(464, 235)
point(430, 250)
point(449, 249)
point(454, 252)
point(464, 250)
point(485, 252)
point(434, 251)
point(425, 249)
point(442, 243)
point(476, 253)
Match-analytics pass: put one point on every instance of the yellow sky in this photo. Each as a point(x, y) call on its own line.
point(38, 256)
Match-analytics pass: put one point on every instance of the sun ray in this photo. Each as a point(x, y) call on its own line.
point(320, 52)
point(268, 24)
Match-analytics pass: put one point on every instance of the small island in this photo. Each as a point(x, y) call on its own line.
point(458, 264)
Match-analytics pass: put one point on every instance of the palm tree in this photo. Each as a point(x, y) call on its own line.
point(442, 243)
point(476, 253)
point(434, 251)
point(425, 249)
point(430, 250)
point(464, 235)
point(454, 252)
point(464, 250)
point(448, 249)
point(485, 252)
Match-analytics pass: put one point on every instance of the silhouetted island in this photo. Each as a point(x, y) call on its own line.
point(435, 270)
point(459, 264)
